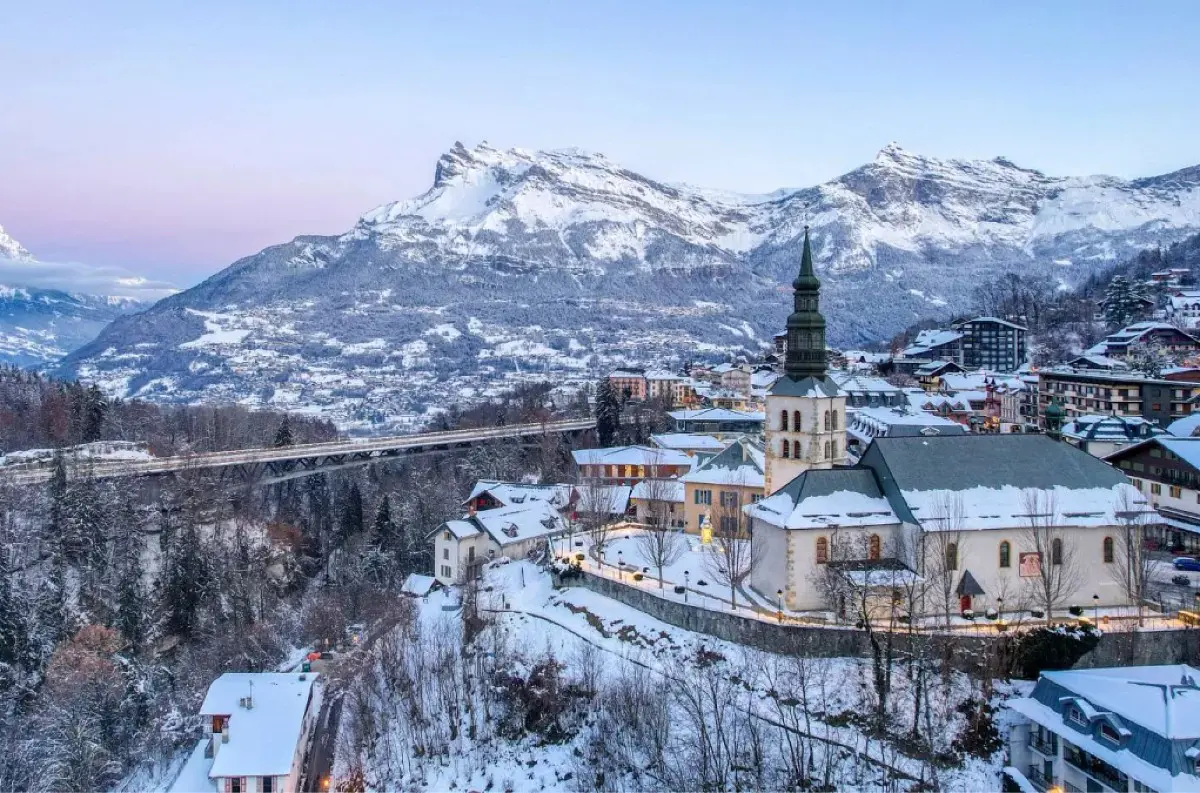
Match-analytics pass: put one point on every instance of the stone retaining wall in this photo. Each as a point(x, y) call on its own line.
point(965, 652)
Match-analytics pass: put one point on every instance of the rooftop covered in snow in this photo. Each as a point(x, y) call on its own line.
point(263, 736)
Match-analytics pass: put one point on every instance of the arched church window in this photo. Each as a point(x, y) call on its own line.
point(827, 421)
point(796, 449)
point(795, 421)
point(783, 451)
point(783, 420)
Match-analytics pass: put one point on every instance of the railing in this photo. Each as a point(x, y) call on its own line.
point(1038, 779)
point(1096, 768)
point(1047, 746)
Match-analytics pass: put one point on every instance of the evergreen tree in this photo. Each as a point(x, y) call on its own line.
point(383, 529)
point(12, 620)
point(94, 409)
point(131, 597)
point(1120, 301)
point(352, 512)
point(608, 413)
point(283, 436)
point(185, 583)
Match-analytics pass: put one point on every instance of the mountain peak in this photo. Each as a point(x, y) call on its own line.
point(11, 249)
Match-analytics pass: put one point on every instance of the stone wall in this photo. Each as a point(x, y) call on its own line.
point(968, 653)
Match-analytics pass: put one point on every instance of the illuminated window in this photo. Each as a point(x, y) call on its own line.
point(874, 547)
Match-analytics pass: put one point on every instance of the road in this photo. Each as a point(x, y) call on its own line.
point(319, 766)
point(314, 452)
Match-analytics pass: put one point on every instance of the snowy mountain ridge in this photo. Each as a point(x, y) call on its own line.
point(11, 249)
point(524, 265)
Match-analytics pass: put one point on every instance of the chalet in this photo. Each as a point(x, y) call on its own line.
point(493, 494)
point(936, 345)
point(259, 726)
point(1102, 362)
point(1184, 308)
point(1131, 728)
point(1166, 470)
point(627, 465)
point(461, 547)
point(1166, 337)
point(930, 375)
point(959, 508)
point(716, 490)
point(1100, 436)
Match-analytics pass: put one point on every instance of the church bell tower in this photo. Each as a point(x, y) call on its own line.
point(805, 423)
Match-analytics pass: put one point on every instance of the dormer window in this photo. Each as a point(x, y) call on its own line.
point(1108, 733)
point(1076, 715)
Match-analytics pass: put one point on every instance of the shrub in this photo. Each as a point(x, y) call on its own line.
point(979, 737)
point(1053, 647)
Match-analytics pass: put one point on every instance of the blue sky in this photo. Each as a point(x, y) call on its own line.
point(174, 137)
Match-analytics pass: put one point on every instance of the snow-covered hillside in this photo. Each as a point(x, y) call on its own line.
point(11, 249)
point(517, 264)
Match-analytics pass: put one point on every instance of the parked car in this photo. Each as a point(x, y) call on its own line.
point(1187, 563)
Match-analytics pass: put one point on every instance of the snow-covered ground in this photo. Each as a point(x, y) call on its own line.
point(821, 697)
point(100, 450)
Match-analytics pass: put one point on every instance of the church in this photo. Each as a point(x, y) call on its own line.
point(963, 524)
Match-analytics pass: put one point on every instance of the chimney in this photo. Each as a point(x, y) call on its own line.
point(225, 732)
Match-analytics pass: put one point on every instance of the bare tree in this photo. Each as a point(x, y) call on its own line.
point(940, 541)
point(660, 543)
point(737, 553)
point(1059, 571)
point(1126, 555)
point(597, 501)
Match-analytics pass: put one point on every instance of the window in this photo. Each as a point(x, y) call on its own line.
point(236, 784)
point(1056, 551)
point(952, 556)
point(1005, 554)
point(1108, 550)
point(446, 571)
point(784, 446)
point(1107, 732)
point(470, 554)
point(1175, 492)
point(218, 724)
point(447, 536)
point(833, 446)
point(822, 550)
point(756, 497)
point(703, 497)
point(729, 499)
point(874, 547)
point(796, 449)
point(827, 454)
point(445, 553)
point(795, 421)
point(1075, 715)
point(827, 421)
point(267, 785)
point(783, 422)
point(835, 419)
point(1156, 488)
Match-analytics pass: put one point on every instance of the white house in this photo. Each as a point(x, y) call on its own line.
point(1184, 308)
point(461, 546)
point(1122, 729)
point(970, 509)
point(259, 727)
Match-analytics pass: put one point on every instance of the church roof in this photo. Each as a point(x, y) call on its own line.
point(804, 387)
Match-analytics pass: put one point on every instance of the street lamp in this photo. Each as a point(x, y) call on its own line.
point(620, 567)
point(1000, 608)
point(685, 586)
point(779, 604)
point(1096, 607)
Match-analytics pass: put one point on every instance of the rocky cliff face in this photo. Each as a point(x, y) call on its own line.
point(517, 264)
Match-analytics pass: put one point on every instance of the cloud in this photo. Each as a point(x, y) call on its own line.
point(79, 278)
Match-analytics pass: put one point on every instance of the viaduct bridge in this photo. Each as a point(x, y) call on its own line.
point(271, 465)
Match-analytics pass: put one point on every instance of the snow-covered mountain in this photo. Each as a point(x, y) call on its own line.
point(40, 325)
point(518, 263)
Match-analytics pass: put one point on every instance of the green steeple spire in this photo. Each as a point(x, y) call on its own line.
point(806, 326)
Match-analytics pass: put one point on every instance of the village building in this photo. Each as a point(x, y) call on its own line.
point(1084, 392)
point(735, 377)
point(630, 383)
point(717, 421)
point(866, 424)
point(716, 491)
point(938, 344)
point(1159, 335)
point(1166, 470)
point(1092, 361)
point(461, 547)
point(863, 391)
point(805, 409)
point(929, 375)
point(974, 516)
point(693, 444)
point(627, 465)
point(1133, 728)
point(493, 494)
point(258, 728)
point(659, 502)
point(661, 386)
point(1100, 436)
point(1184, 308)
point(992, 343)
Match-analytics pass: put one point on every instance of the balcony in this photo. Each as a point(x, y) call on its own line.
point(1047, 745)
point(1039, 780)
point(1096, 768)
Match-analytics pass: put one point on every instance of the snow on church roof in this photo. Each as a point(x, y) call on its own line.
point(263, 737)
